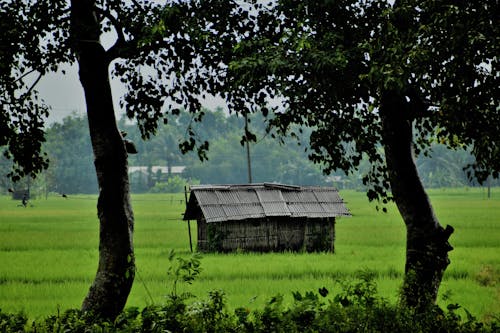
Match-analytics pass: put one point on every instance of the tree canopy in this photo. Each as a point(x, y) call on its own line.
point(375, 79)
point(32, 43)
point(332, 61)
point(70, 170)
point(315, 55)
point(367, 75)
point(152, 47)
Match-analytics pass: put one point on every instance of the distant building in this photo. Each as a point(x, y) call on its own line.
point(144, 170)
point(264, 217)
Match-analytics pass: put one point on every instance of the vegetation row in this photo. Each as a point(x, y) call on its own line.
point(72, 170)
point(356, 307)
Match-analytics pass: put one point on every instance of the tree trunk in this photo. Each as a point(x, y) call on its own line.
point(427, 244)
point(109, 292)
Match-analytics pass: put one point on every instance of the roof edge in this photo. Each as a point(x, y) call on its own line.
point(259, 185)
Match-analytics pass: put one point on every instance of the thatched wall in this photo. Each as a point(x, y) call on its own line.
point(265, 235)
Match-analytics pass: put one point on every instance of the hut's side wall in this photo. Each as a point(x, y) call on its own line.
point(202, 244)
point(319, 235)
point(265, 235)
point(252, 235)
point(290, 234)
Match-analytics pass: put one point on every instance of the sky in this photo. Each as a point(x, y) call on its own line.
point(64, 93)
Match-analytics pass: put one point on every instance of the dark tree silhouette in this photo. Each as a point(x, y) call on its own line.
point(40, 36)
point(384, 81)
point(363, 75)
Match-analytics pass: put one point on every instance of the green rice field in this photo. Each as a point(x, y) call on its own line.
point(48, 254)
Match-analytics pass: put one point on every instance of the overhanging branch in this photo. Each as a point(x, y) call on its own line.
point(30, 89)
point(115, 50)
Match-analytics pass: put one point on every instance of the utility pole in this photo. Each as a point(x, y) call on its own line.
point(249, 163)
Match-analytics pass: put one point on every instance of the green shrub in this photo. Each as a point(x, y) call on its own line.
point(355, 308)
point(488, 276)
point(174, 184)
point(12, 322)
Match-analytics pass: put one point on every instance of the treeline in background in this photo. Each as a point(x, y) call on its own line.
point(159, 166)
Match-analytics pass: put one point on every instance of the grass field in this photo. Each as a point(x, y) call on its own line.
point(48, 254)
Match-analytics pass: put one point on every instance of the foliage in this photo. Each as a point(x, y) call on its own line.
point(12, 322)
point(445, 168)
point(29, 48)
point(71, 168)
point(321, 58)
point(174, 184)
point(488, 276)
point(70, 171)
point(162, 39)
point(331, 62)
point(361, 292)
point(334, 65)
point(183, 270)
point(309, 312)
point(383, 80)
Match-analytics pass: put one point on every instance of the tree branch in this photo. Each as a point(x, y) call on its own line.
point(25, 74)
point(418, 105)
point(114, 51)
point(138, 5)
point(128, 49)
point(27, 93)
point(122, 47)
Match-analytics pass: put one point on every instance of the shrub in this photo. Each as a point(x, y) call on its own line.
point(174, 184)
point(12, 322)
point(356, 308)
point(488, 276)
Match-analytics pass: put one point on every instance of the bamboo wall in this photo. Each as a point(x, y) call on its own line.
point(267, 235)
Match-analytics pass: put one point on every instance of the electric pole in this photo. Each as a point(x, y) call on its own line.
point(249, 163)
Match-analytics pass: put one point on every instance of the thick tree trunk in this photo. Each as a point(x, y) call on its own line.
point(109, 292)
point(427, 244)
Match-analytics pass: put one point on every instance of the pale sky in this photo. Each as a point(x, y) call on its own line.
point(64, 93)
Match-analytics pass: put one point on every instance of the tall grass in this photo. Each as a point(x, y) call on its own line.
point(48, 253)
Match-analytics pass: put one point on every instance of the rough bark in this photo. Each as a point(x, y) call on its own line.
point(427, 244)
point(109, 292)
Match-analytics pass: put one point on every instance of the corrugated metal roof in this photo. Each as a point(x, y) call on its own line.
point(272, 202)
point(220, 203)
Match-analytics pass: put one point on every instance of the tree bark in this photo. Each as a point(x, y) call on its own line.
point(427, 244)
point(112, 284)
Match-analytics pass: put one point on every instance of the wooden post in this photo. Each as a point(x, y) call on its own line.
point(489, 187)
point(189, 222)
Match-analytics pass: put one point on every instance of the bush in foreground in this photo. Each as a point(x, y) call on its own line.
point(356, 308)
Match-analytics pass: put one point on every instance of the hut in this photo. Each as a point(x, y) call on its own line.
point(264, 217)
